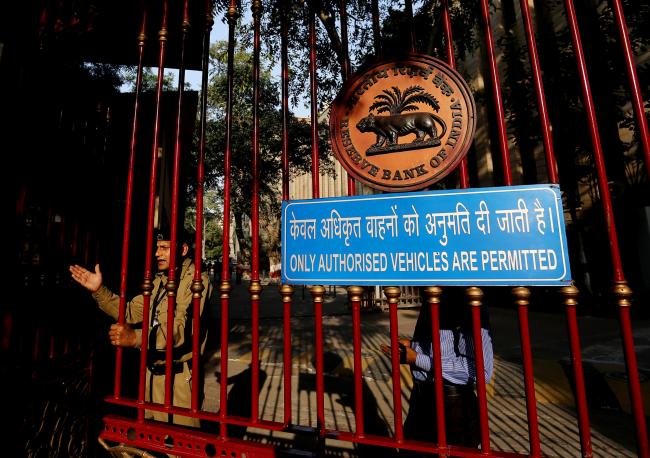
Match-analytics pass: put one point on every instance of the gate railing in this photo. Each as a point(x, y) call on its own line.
point(186, 442)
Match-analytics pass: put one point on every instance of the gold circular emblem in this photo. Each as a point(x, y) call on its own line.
point(404, 124)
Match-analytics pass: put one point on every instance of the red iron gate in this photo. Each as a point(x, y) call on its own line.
point(175, 440)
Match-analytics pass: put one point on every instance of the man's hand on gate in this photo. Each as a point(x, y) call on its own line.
point(122, 335)
point(406, 354)
point(92, 281)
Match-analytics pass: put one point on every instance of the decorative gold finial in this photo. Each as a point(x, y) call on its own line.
point(474, 296)
point(622, 293)
point(225, 289)
point(197, 289)
point(355, 293)
point(317, 293)
point(232, 15)
point(162, 35)
point(521, 295)
point(432, 294)
point(147, 286)
point(255, 289)
point(286, 291)
point(392, 294)
point(570, 294)
point(171, 286)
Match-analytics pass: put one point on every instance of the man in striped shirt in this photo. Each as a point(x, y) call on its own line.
point(458, 373)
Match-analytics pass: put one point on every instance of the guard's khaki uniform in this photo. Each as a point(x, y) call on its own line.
point(155, 384)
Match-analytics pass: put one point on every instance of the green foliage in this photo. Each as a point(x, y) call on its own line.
point(270, 137)
point(149, 79)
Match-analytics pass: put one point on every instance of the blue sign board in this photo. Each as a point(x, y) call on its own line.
point(488, 236)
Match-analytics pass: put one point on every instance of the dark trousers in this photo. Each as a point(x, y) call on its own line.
point(461, 415)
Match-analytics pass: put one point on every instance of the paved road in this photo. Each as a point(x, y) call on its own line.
point(612, 427)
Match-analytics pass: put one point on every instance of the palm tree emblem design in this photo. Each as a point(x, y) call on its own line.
point(403, 119)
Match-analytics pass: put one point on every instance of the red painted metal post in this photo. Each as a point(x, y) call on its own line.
point(551, 163)
point(624, 293)
point(392, 295)
point(496, 93)
point(225, 287)
point(475, 296)
point(255, 287)
point(286, 290)
point(147, 284)
point(635, 89)
point(620, 287)
point(315, 172)
point(521, 296)
point(354, 295)
point(570, 294)
point(142, 38)
point(433, 294)
point(172, 283)
point(197, 283)
point(317, 292)
point(284, 59)
point(451, 60)
point(346, 69)
point(408, 10)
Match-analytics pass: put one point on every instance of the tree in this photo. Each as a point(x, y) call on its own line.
point(270, 139)
point(149, 79)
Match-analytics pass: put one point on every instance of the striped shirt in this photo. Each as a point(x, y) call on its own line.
point(458, 363)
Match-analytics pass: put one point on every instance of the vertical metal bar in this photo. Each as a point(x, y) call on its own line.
point(317, 293)
point(408, 10)
point(225, 288)
point(475, 296)
point(522, 296)
point(345, 64)
point(595, 140)
point(197, 283)
point(255, 287)
point(376, 29)
point(147, 283)
point(315, 173)
point(172, 284)
point(451, 60)
point(570, 294)
point(637, 99)
point(284, 42)
point(620, 287)
point(126, 234)
point(496, 93)
point(551, 163)
point(392, 295)
point(433, 294)
point(286, 290)
point(354, 296)
point(623, 293)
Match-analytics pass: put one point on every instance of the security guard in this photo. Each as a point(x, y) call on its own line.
point(128, 335)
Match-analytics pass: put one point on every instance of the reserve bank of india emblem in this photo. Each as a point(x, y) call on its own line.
point(404, 124)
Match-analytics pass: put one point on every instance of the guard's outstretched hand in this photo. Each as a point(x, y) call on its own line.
point(92, 281)
point(122, 335)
